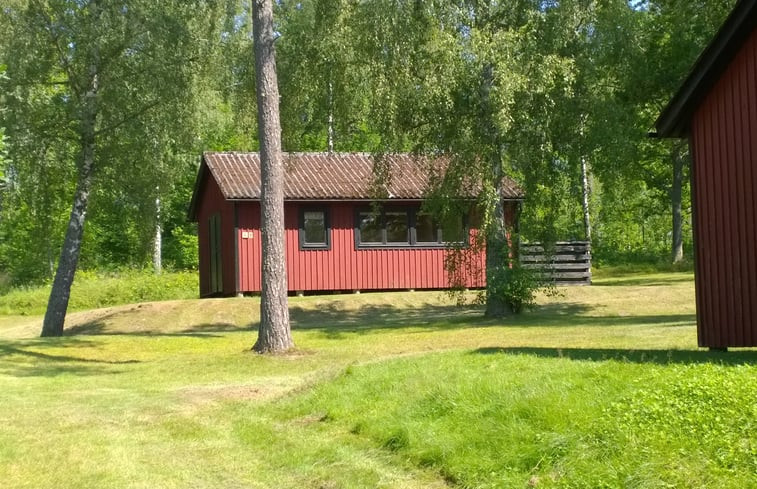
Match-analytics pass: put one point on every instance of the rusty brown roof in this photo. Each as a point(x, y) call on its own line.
point(324, 176)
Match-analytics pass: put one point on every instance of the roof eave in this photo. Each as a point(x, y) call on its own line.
point(201, 177)
point(674, 120)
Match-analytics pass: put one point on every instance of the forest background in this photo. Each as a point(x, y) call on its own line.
point(581, 84)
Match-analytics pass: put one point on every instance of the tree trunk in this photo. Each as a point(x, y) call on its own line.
point(676, 192)
point(274, 334)
point(157, 246)
point(331, 118)
point(586, 190)
point(55, 315)
point(497, 257)
point(57, 304)
point(497, 250)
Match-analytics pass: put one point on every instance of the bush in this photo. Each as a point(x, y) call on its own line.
point(517, 286)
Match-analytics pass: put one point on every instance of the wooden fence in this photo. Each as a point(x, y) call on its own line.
point(567, 263)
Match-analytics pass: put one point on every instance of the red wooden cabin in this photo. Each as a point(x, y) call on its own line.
point(716, 108)
point(339, 237)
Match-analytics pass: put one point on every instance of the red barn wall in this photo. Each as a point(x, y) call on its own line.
point(342, 267)
point(724, 181)
point(212, 201)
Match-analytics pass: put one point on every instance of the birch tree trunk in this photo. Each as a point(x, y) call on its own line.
point(157, 245)
point(497, 253)
point(274, 334)
point(497, 249)
point(676, 193)
point(331, 119)
point(57, 304)
point(586, 191)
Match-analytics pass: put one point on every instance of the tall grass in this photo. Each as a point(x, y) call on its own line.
point(489, 419)
point(93, 290)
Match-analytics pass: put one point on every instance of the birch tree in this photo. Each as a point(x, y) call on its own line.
point(101, 67)
point(476, 81)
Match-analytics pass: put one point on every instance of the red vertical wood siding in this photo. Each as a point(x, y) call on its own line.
point(724, 147)
point(213, 202)
point(342, 267)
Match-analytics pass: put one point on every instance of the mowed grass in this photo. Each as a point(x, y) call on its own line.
point(602, 387)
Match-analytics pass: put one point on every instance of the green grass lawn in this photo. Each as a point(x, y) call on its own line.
point(601, 387)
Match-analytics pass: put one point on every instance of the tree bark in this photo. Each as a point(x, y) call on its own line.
point(157, 245)
point(497, 249)
point(586, 190)
point(57, 304)
point(330, 137)
point(676, 193)
point(497, 257)
point(274, 334)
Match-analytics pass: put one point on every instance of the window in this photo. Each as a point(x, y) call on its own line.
point(314, 229)
point(400, 227)
point(397, 226)
point(453, 230)
point(370, 228)
point(426, 230)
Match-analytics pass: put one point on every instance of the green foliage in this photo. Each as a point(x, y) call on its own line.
point(93, 290)
point(516, 286)
point(570, 80)
point(151, 68)
point(181, 250)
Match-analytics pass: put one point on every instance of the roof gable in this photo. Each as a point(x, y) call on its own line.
point(324, 176)
point(714, 60)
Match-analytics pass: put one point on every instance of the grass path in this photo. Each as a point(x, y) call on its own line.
point(168, 395)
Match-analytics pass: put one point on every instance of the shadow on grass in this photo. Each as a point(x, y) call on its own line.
point(661, 357)
point(644, 281)
point(208, 330)
point(334, 320)
point(30, 362)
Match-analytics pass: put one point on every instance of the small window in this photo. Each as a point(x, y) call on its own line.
point(453, 230)
point(397, 229)
point(314, 229)
point(371, 227)
point(425, 228)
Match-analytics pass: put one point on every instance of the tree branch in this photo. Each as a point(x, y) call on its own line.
point(61, 54)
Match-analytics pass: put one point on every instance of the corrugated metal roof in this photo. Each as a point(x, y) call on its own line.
point(336, 176)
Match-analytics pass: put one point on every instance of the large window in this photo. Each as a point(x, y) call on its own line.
point(405, 227)
point(314, 229)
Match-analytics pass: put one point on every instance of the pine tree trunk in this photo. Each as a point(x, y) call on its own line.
point(274, 334)
point(676, 193)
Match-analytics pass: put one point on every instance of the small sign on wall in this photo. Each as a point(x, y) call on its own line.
point(246, 234)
